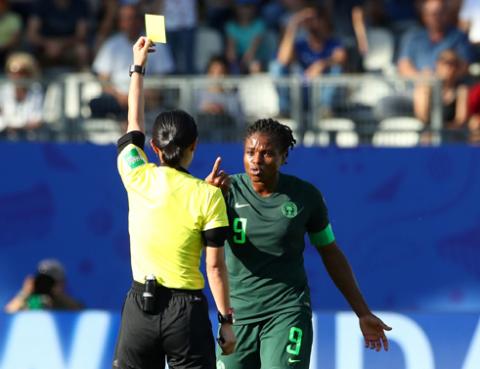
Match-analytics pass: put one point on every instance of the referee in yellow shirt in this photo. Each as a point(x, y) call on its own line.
point(172, 217)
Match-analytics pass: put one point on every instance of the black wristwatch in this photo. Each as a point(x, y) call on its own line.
point(136, 69)
point(228, 318)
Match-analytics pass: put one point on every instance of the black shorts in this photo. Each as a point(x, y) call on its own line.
point(179, 330)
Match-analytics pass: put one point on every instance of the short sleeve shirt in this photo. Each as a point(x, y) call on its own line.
point(306, 56)
point(115, 57)
point(168, 211)
point(266, 245)
point(18, 114)
point(244, 35)
point(418, 48)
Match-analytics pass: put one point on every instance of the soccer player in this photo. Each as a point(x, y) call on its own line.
point(269, 213)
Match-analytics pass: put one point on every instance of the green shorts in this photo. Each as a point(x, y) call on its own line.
point(281, 342)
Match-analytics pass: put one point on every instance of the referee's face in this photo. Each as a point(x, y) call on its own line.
point(262, 158)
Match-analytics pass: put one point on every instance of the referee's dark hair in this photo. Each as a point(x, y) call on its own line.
point(173, 132)
point(281, 133)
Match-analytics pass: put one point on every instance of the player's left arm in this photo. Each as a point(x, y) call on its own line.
point(338, 267)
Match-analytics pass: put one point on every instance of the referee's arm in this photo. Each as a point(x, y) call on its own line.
point(215, 233)
point(216, 268)
point(218, 282)
point(136, 100)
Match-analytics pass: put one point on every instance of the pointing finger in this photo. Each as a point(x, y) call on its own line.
point(216, 165)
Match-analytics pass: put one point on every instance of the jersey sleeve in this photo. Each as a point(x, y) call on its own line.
point(132, 162)
point(216, 213)
point(318, 225)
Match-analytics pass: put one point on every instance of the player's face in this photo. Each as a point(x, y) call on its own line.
point(262, 158)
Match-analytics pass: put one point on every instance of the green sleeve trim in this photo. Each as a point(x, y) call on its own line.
point(322, 238)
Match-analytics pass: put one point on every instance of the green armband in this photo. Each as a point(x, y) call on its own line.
point(322, 238)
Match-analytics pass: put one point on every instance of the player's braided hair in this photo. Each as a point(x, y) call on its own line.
point(281, 133)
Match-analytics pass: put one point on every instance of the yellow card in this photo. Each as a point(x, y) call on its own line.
point(155, 27)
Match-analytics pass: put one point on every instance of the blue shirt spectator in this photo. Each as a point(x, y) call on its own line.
point(423, 53)
point(317, 52)
point(421, 47)
point(306, 56)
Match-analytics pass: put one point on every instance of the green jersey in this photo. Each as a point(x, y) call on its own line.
point(265, 248)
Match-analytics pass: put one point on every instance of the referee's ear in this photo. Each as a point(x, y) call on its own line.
point(193, 146)
point(154, 147)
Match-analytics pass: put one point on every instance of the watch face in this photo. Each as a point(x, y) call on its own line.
point(136, 68)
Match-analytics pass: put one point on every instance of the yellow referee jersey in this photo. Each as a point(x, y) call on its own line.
point(168, 210)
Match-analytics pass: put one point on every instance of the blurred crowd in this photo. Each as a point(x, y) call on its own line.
point(425, 38)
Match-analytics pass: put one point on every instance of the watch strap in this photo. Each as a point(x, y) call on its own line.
point(228, 318)
point(134, 68)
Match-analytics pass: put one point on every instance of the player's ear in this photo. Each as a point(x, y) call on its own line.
point(284, 157)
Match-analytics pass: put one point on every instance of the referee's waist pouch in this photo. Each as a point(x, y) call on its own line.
point(153, 294)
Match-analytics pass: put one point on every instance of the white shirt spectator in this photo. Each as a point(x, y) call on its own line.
point(18, 114)
point(180, 14)
point(115, 58)
point(470, 12)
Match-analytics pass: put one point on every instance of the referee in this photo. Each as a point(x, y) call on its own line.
point(172, 216)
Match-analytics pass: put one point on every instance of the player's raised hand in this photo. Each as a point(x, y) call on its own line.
point(141, 48)
point(218, 177)
point(373, 332)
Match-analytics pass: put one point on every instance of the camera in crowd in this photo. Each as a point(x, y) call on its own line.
point(49, 273)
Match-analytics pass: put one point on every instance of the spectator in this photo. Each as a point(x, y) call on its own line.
point(341, 13)
point(397, 16)
point(244, 36)
point(291, 7)
point(317, 53)
point(103, 21)
point(46, 290)
point(470, 23)
point(474, 114)
point(10, 30)
point(57, 30)
point(420, 48)
point(181, 22)
point(217, 13)
point(454, 93)
point(219, 108)
point(21, 98)
point(113, 61)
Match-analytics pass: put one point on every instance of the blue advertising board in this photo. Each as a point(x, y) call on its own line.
point(407, 219)
point(41, 340)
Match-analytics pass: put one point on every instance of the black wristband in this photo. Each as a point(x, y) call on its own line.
point(227, 318)
point(134, 68)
